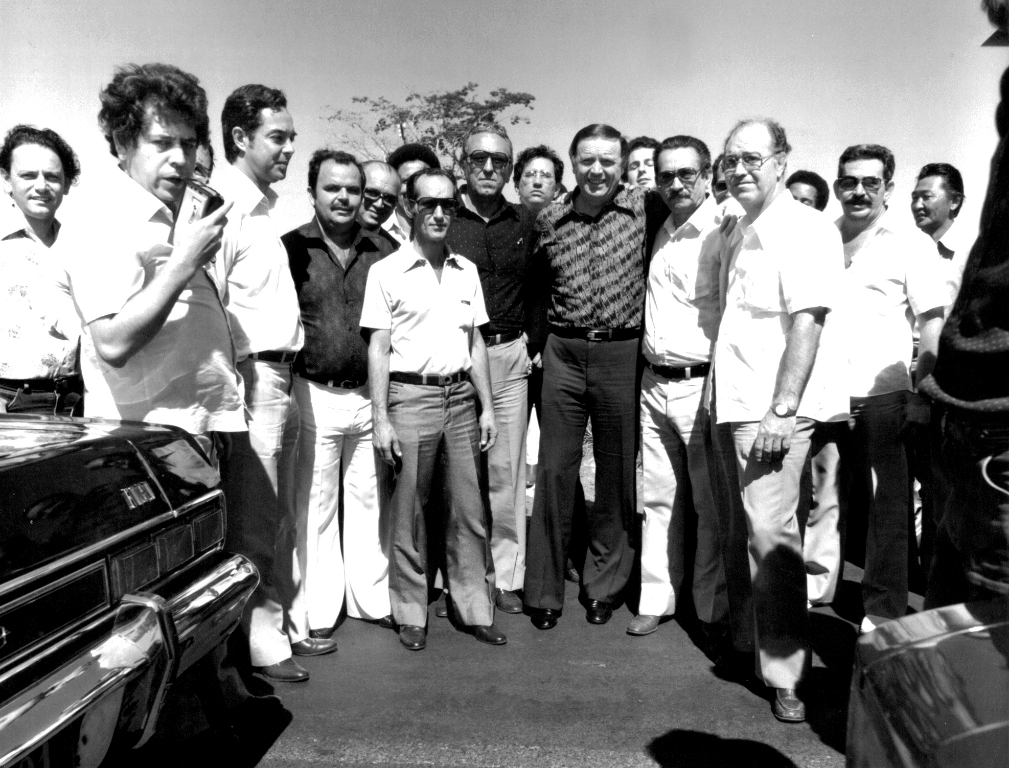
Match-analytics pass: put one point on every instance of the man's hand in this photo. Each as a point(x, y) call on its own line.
point(537, 360)
point(384, 438)
point(488, 430)
point(195, 244)
point(774, 437)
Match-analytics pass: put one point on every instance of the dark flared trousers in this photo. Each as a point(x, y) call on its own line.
point(585, 380)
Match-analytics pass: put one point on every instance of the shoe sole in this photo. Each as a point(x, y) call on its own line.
point(283, 679)
point(790, 718)
point(641, 633)
point(314, 653)
point(513, 610)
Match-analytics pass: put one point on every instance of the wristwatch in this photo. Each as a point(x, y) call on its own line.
point(783, 410)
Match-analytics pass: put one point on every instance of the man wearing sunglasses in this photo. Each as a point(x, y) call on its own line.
point(893, 278)
point(406, 161)
point(497, 236)
point(428, 372)
point(378, 202)
point(783, 261)
point(681, 321)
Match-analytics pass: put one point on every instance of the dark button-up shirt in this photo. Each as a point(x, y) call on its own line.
point(502, 250)
point(331, 298)
point(595, 266)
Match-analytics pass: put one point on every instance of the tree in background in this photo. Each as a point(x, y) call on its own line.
point(439, 119)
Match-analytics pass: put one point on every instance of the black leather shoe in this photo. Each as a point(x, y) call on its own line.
point(413, 638)
point(286, 671)
point(598, 612)
point(507, 601)
point(387, 622)
point(321, 634)
point(489, 634)
point(787, 707)
point(545, 618)
point(314, 646)
point(441, 606)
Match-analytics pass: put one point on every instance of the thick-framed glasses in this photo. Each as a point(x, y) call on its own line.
point(869, 183)
point(533, 175)
point(479, 160)
point(751, 161)
point(373, 196)
point(687, 177)
point(720, 186)
point(427, 205)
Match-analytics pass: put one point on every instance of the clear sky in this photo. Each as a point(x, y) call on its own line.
point(906, 73)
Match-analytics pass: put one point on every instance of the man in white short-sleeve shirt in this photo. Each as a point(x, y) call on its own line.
point(892, 279)
point(428, 368)
point(936, 201)
point(784, 263)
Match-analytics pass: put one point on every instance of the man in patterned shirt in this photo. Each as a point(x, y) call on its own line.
point(592, 250)
point(38, 325)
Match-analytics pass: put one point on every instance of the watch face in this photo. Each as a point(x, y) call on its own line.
point(781, 409)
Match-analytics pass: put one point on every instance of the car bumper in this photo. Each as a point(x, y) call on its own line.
point(149, 640)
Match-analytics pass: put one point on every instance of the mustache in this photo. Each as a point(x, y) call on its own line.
point(859, 200)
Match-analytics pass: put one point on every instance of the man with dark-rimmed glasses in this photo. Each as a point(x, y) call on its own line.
point(497, 236)
point(427, 368)
point(378, 201)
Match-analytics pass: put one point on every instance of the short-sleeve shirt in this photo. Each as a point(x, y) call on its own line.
point(261, 300)
point(39, 329)
point(787, 260)
point(681, 308)
point(954, 248)
point(893, 277)
point(431, 322)
point(185, 375)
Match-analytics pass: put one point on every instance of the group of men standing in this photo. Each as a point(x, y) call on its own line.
point(373, 365)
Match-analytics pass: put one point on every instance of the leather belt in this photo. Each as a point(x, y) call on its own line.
point(271, 356)
point(686, 373)
point(429, 380)
point(63, 384)
point(596, 334)
point(493, 339)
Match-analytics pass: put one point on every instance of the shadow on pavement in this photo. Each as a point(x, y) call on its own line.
point(687, 749)
point(827, 688)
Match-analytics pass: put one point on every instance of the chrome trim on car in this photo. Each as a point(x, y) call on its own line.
point(105, 544)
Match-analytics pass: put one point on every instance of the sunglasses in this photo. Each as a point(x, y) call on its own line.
point(479, 160)
point(869, 183)
point(373, 196)
point(428, 205)
point(687, 176)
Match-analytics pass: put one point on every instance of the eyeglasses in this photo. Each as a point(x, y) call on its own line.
point(373, 196)
point(427, 205)
point(687, 176)
point(531, 175)
point(720, 186)
point(869, 183)
point(751, 162)
point(479, 160)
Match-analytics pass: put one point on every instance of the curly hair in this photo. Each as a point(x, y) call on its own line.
point(43, 137)
point(137, 88)
point(531, 153)
point(816, 181)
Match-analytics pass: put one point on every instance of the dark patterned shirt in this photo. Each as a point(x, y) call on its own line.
point(330, 298)
point(596, 265)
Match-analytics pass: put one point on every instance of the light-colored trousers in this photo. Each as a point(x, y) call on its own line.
point(675, 450)
point(259, 489)
point(771, 494)
point(821, 542)
point(506, 463)
point(335, 448)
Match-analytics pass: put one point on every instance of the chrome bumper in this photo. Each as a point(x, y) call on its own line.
point(151, 638)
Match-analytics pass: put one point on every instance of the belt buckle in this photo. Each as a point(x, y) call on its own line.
point(595, 335)
point(444, 380)
point(348, 384)
point(686, 373)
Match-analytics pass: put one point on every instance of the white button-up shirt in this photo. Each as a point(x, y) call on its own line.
point(185, 375)
point(431, 322)
point(891, 277)
point(789, 259)
point(681, 305)
point(260, 296)
point(958, 240)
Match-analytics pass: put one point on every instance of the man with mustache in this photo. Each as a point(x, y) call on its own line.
point(681, 322)
point(262, 305)
point(330, 257)
point(39, 331)
point(892, 279)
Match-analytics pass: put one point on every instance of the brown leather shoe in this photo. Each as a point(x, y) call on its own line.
point(413, 638)
point(489, 634)
point(787, 707)
point(314, 646)
point(643, 624)
point(507, 601)
point(286, 671)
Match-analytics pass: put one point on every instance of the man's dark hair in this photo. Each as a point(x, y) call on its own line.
point(779, 142)
point(163, 88)
point(497, 130)
point(951, 179)
point(340, 158)
point(598, 131)
point(409, 152)
point(686, 142)
point(642, 142)
point(43, 137)
point(717, 162)
point(210, 151)
point(531, 153)
point(868, 152)
point(816, 181)
point(411, 182)
point(242, 110)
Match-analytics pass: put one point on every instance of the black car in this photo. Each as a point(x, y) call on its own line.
point(113, 582)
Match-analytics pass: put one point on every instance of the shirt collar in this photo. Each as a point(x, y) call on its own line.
point(236, 186)
point(775, 215)
point(16, 226)
point(506, 211)
point(363, 239)
point(700, 218)
point(412, 257)
point(137, 202)
point(620, 200)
